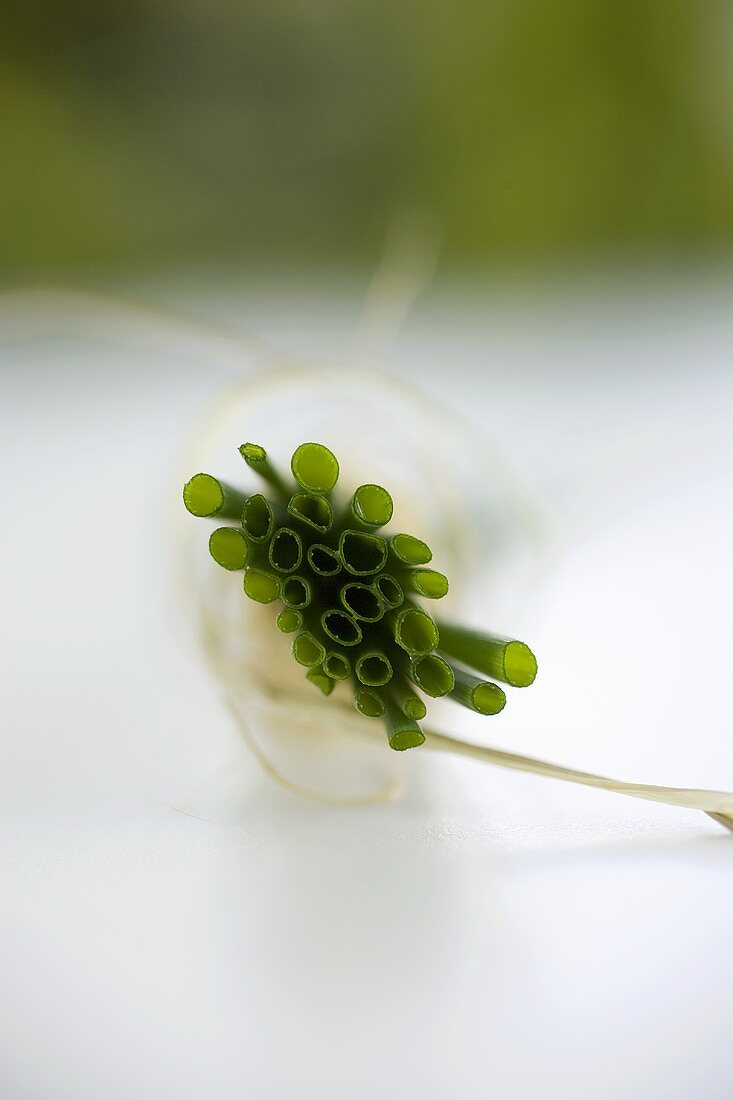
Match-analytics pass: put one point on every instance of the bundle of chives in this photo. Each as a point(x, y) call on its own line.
point(349, 594)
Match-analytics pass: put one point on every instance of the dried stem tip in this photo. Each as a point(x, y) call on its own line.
point(256, 458)
point(503, 659)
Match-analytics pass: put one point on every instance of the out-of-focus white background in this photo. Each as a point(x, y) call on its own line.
point(490, 933)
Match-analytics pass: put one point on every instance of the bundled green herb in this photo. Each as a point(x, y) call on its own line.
point(349, 593)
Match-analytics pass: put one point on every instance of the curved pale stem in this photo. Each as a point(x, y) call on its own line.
point(717, 804)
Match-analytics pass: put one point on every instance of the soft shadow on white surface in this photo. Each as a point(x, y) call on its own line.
point(490, 934)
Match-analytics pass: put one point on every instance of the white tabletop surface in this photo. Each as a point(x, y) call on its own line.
point(490, 934)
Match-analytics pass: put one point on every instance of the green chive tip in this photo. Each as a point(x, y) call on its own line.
point(488, 698)
point(363, 601)
point(433, 675)
point(410, 550)
point(430, 583)
point(520, 664)
point(289, 620)
point(336, 665)
point(229, 547)
point(372, 505)
point(315, 467)
point(261, 586)
point(307, 650)
point(296, 592)
point(369, 703)
point(203, 495)
point(414, 631)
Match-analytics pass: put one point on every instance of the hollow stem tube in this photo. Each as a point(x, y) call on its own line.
point(371, 507)
point(406, 698)
point(369, 703)
point(408, 550)
point(312, 509)
point(257, 518)
point(426, 582)
point(373, 668)
point(297, 591)
point(390, 590)
point(307, 650)
point(402, 732)
point(341, 627)
point(323, 560)
point(336, 665)
point(502, 658)
point(413, 630)
point(362, 553)
point(286, 550)
point(363, 601)
point(289, 620)
point(479, 695)
point(432, 674)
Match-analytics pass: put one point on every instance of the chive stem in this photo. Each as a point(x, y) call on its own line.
point(206, 496)
point(229, 548)
point(479, 695)
point(408, 550)
point(257, 460)
point(402, 732)
point(314, 467)
point(502, 658)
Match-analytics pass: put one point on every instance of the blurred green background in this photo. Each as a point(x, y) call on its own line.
point(530, 133)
